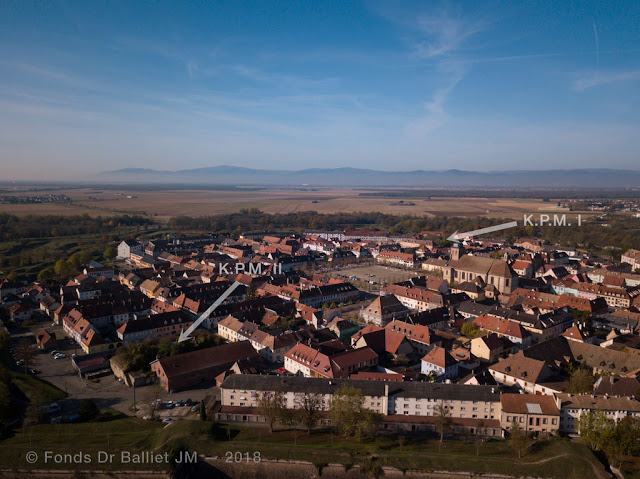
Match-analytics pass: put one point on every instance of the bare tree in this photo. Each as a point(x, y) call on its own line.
point(271, 405)
point(479, 439)
point(308, 406)
point(26, 353)
point(443, 419)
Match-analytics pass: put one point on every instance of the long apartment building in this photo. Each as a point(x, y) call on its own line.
point(480, 404)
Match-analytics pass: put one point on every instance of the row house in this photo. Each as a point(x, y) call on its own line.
point(406, 260)
point(547, 302)
point(491, 347)
point(383, 341)
point(384, 309)
point(631, 257)
point(415, 298)
point(541, 326)
point(573, 406)
point(156, 326)
point(76, 326)
point(420, 337)
point(440, 362)
point(614, 296)
point(271, 348)
point(303, 360)
point(511, 330)
point(533, 413)
point(524, 373)
point(20, 311)
point(319, 245)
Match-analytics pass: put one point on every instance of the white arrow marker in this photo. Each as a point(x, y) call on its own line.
point(457, 236)
point(184, 335)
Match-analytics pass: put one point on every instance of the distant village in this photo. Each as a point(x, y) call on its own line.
point(500, 334)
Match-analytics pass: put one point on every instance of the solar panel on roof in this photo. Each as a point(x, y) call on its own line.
point(534, 408)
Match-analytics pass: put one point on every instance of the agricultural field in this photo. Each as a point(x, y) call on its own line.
point(165, 203)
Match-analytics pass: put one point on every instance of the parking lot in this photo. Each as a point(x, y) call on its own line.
point(107, 392)
point(373, 277)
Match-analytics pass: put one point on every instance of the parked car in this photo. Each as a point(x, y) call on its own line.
point(54, 352)
point(60, 356)
point(188, 402)
point(168, 420)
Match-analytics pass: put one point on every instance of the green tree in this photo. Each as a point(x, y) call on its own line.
point(518, 439)
point(12, 276)
point(350, 417)
point(346, 404)
point(62, 269)
point(627, 435)
point(581, 381)
point(45, 275)
point(596, 429)
point(290, 418)
point(87, 410)
point(109, 253)
point(469, 329)
point(5, 347)
point(367, 424)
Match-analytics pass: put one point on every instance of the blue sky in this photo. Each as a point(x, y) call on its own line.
point(93, 86)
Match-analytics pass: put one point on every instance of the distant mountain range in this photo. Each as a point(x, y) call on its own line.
point(235, 175)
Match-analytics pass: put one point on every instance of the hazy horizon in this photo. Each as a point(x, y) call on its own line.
point(400, 86)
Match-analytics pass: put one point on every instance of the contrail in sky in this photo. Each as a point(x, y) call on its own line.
point(595, 31)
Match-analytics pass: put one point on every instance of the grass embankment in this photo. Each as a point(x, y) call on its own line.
point(36, 390)
point(555, 458)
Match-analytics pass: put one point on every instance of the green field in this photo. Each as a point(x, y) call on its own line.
point(554, 458)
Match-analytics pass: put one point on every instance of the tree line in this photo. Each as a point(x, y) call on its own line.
point(619, 231)
point(348, 414)
point(51, 226)
point(138, 356)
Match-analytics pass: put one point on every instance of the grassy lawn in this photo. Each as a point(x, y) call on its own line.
point(555, 458)
point(112, 431)
point(36, 390)
point(551, 458)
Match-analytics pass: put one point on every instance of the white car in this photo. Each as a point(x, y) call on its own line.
point(60, 356)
